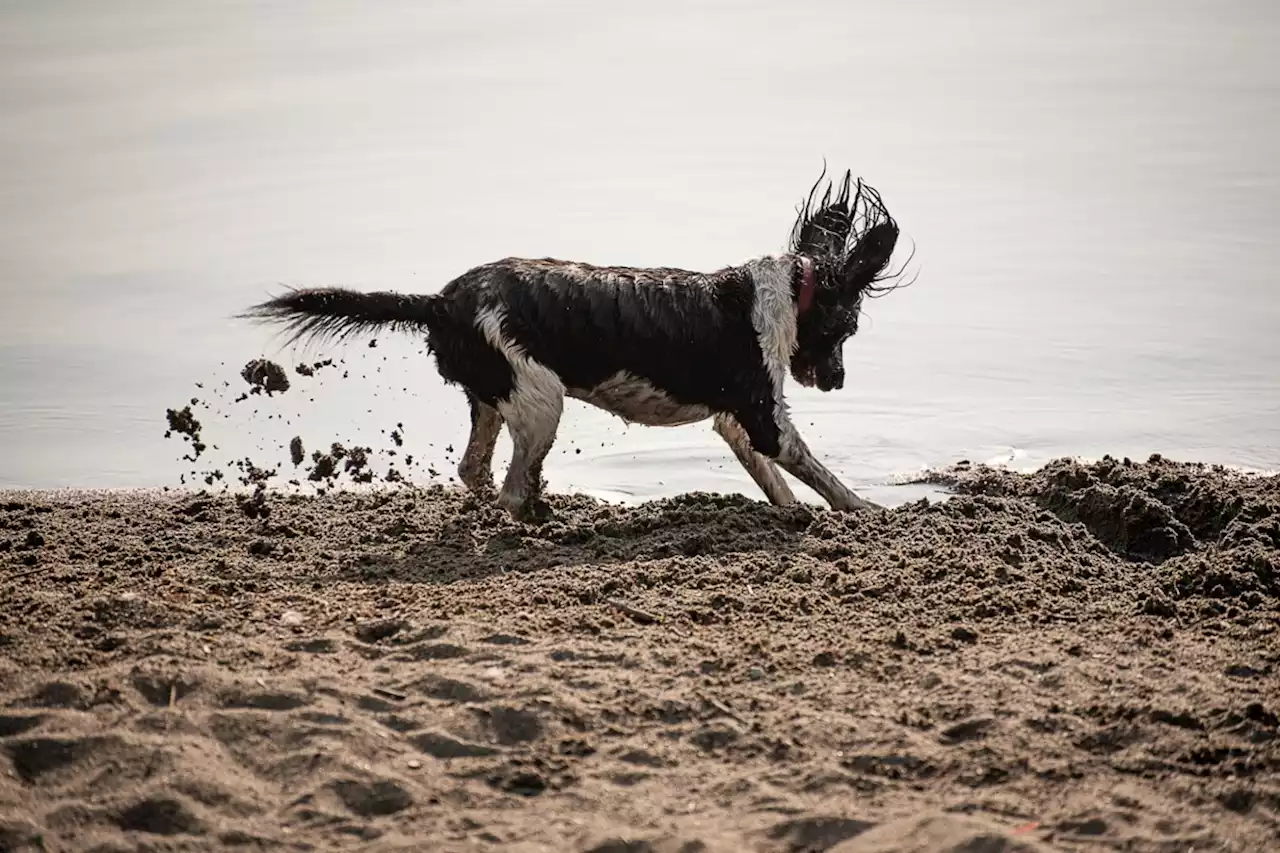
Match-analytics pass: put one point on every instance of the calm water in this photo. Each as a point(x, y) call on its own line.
point(1092, 189)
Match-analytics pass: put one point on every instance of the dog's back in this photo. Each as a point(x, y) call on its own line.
point(686, 334)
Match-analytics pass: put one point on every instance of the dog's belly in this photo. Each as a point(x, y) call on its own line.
point(636, 400)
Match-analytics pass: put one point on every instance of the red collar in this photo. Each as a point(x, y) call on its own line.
point(805, 297)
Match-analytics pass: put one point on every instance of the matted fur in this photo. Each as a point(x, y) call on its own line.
point(657, 346)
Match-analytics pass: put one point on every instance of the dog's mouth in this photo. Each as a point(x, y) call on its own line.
point(816, 377)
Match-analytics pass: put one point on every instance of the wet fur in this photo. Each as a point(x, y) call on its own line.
point(657, 346)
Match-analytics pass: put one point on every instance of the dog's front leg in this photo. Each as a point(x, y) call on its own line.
point(773, 434)
point(760, 467)
point(796, 458)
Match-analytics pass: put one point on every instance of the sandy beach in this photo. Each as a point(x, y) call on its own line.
point(1084, 658)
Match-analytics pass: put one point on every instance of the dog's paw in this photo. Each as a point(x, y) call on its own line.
point(857, 504)
point(534, 511)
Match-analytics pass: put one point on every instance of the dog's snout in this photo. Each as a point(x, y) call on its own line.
point(830, 378)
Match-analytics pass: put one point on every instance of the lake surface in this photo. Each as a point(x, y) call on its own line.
point(1092, 190)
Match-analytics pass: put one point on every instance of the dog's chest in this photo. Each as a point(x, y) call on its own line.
point(638, 401)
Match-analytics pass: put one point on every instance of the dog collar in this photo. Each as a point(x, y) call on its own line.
point(805, 297)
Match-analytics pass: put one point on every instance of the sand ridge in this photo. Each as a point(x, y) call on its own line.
point(1085, 658)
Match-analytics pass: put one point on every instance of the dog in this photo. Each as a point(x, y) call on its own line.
point(655, 346)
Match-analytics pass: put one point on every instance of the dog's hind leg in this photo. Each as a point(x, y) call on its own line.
point(476, 468)
point(760, 467)
point(533, 417)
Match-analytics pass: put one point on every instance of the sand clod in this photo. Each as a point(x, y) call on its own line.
point(265, 376)
point(184, 423)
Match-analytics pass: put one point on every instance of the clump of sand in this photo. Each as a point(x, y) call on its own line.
point(310, 369)
point(183, 423)
point(265, 377)
point(1085, 658)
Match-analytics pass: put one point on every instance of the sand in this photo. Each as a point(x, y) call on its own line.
point(1087, 658)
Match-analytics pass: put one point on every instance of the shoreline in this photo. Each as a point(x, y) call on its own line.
point(924, 475)
point(1084, 657)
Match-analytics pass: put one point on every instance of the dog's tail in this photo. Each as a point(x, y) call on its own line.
point(327, 313)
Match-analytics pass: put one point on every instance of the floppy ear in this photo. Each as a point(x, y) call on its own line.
point(875, 235)
point(869, 257)
point(823, 233)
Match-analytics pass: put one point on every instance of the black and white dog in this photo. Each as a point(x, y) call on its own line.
point(655, 346)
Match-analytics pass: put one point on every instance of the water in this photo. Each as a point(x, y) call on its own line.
point(1092, 190)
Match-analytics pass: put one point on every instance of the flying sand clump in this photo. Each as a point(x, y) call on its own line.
point(184, 423)
point(265, 376)
point(354, 462)
point(310, 369)
point(323, 469)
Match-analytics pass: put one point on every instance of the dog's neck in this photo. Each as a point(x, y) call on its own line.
point(804, 291)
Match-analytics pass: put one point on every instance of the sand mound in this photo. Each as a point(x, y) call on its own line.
point(1085, 658)
point(1213, 533)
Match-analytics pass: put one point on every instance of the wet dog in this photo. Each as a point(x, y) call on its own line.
point(655, 346)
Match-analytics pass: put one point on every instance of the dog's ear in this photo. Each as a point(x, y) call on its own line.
point(823, 233)
point(868, 258)
point(850, 238)
point(875, 236)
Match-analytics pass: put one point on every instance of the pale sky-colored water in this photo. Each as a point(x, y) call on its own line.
point(1092, 189)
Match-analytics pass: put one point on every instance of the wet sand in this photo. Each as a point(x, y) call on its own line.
point(1082, 659)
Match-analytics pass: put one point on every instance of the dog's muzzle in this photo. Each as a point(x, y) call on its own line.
point(820, 377)
point(832, 380)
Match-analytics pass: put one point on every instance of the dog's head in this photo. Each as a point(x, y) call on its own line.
point(845, 245)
